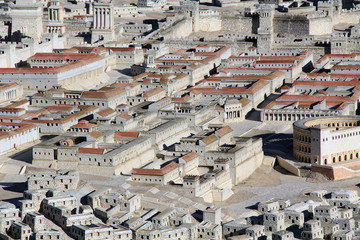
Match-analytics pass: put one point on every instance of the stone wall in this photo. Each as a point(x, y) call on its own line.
point(181, 29)
point(338, 172)
point(243, 25)
point(76, 26)
point(350, 16)
point(192, 42)
point(320, 26)
point(247, 167)
point(298, 25)
point(288, 166)
point(210, 23)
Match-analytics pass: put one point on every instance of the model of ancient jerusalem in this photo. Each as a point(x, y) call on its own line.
point(179, 119)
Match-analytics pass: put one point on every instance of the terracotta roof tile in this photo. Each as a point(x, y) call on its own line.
point(91, 151)
point(125, 116)
point(96, 134)
point(120, 134)
point(153, 92)
point(83, 124)
point(209, 139)
point(105, 112)
point(155, 172)
point(190, 156)
point(60, 108)
point(224, 130)
point(109, 93)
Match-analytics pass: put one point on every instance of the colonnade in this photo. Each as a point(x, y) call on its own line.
point(54, 15)
point(53, 29)
point(102, 18)
point(233, 114)
point(291, 116)
point(10, 94)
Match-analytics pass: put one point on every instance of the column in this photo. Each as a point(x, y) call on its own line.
point(106, 18)
point(97, 17)
point(109, 18)
point(103, 18)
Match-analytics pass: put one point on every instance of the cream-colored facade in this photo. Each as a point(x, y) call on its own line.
point(327, 140)
point(26, 18)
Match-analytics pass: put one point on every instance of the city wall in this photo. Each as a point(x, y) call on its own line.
point(351, 16)
point(238, 24)
point(298, 25)
point(320, 26)
point(247, 167)
point(210, 23)
point(181, 29)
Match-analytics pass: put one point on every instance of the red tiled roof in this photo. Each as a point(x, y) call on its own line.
point(21, 128)
point(96, 134)
point(190, 156)
point(19, 103)
point(7, 109)
point(63, 56)
point(224, 130)
point(156, 172)
point(60, 108)
point(209, 139)
point(186, 98)
point(109, 93)
point(219, 108)
point(125, 116)
point(153, 92)
point(315, 98)
point(91, 150)
point(89, 58)
point(130, 84)
point(121, 49)
point(83, 124)
point(105, 112)
point(327, 83)
point(8, 85)
point(120, 134)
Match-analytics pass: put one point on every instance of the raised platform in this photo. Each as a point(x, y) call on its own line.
point(339, 171)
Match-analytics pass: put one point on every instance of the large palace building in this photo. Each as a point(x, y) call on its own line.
point(327, 140)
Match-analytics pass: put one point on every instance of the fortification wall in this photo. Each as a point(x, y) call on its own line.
point(180, 29)
point(320, 26)
point(238, 24)
point(74, 27)
point(248, 167)
point(210, 23)
point(350, 16)
point(236, 47)
point(291, 25)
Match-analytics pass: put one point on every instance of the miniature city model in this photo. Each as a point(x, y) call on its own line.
point(179, 119)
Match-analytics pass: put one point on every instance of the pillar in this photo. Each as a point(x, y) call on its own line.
point(98, 18)
point(107, 18)
point(103, 18)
